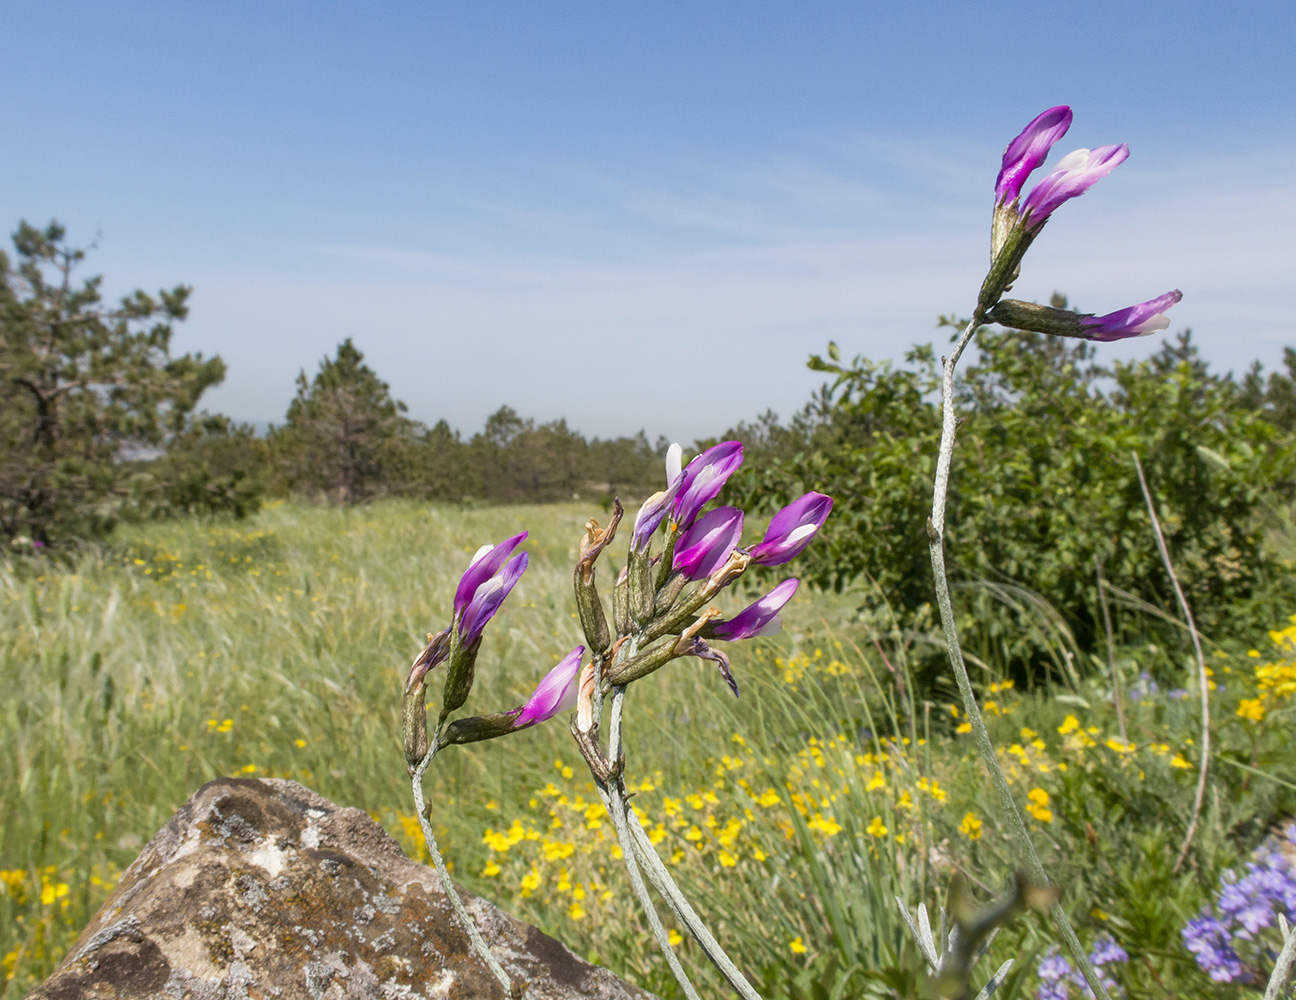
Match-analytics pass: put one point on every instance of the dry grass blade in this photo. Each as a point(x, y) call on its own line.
point(1202, 678)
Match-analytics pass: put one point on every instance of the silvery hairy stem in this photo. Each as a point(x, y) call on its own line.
point(936, 537)
point(637, 850)
point(466, 922)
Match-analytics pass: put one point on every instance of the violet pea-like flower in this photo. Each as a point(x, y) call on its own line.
point(554, 694)
point(657, 506)
point(1029, 150)
point(482, 589)
point(704, 477)
point(705, 546)
point(1135, 321)
point(791, 529)
point(1075, 174)
point(760, 618)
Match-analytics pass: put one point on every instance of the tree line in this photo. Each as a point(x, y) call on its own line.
point(100, 423)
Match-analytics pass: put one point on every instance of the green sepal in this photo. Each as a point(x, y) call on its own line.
point(592, 619)
point(414, 724)
point(641, 588)
point(621, 607)
point(459, 674)
point(475, 728)
point(643, 664)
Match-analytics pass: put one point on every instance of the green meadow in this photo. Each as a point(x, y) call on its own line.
point(276, 646)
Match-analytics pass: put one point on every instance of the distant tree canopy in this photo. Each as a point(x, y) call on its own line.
point(346, 440)
point(84, 389)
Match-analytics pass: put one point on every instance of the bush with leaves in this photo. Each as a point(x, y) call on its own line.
point(1048, 486)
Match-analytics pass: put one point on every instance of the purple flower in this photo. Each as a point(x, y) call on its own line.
point(657, 506)
point(651, 515)
point(484, 565)
point(488, 596)
point(761, 618)
point(1135, 321)
point(1073, 176)
point(1233, 945)
point(554, 694)
point(1029, 150)
point(791, 529)
point(1208, 940)
point(704, 547)
point(1055, 974)
point(704, 477)
point(1106, 951)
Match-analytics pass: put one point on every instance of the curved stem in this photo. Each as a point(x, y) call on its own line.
point(936, 537)
point(636, 841)
point(637, 883)
point(1202, 679)
point(466, 922)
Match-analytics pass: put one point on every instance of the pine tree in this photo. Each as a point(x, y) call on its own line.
point(345, 436)
point(84, 388)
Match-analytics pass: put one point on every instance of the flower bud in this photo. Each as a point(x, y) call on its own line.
point(590, 607)
point(459, 674)
point(1135, 321)
point(640, 584)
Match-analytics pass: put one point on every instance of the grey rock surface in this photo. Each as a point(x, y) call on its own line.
point(264, 889)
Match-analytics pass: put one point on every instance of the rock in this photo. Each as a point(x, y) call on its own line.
point(264, 889)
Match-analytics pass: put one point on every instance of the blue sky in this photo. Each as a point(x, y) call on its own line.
point(641, 215)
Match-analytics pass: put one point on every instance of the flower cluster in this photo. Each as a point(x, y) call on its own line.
point(652, 600)
point(1229, 940)
point(1057, 977)
point(1018, 221)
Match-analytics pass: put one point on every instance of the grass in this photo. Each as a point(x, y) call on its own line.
point(277, 647)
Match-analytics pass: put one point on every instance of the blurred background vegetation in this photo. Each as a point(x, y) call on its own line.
point(183, 598)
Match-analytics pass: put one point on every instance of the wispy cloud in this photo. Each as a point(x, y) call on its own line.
point(687, 297)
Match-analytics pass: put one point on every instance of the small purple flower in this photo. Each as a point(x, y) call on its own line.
point(704, 547)
point(651, 515)
point(1208, 940)
point(1073, 176)
point(1135, 321)
point(1232, 943)
point(704, 477)
point(1055, 975)
point(761, 618)
point(1029, 150)
point(484, 565)
point(488, 596)
point(791, 529)
point(657, 506)
point(1107, 951)
point(555, 693)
